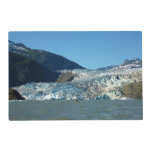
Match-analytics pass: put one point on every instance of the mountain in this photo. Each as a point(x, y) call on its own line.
point(127, 64)
point(136, 62)
point(24, 70)
point(107, 68)
point(49, 60)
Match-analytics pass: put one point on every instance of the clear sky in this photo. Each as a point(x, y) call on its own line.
point(89, 49)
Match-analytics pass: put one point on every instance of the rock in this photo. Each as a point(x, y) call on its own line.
point(63, 77)
point(13, 94)
point(133, 90)
point(23, 70)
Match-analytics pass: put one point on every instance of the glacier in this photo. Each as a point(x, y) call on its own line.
point(87, 84)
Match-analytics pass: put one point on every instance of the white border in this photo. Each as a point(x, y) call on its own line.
point(75, 136)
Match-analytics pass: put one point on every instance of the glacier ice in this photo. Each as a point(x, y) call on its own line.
point(87, 84)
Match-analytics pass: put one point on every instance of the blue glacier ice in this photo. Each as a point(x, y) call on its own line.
point(86, 85)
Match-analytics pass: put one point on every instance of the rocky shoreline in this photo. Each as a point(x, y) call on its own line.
point(13, 94)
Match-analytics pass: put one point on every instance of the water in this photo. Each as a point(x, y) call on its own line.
point(71, 110)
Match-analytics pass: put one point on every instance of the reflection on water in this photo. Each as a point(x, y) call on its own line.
point(71, 110)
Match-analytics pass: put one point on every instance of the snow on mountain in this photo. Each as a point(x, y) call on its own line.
point(18, 48)
point(127, 64)
point(49, 60)
point(87, 84)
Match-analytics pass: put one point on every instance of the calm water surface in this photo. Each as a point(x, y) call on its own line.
point(71, 110)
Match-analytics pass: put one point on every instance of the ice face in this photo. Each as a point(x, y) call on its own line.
point(87, 84)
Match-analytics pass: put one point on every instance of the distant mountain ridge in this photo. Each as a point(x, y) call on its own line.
point(49, 60)
point(127, 64)
point(136, 62)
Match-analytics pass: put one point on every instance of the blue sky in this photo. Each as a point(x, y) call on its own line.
point(89, 49)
